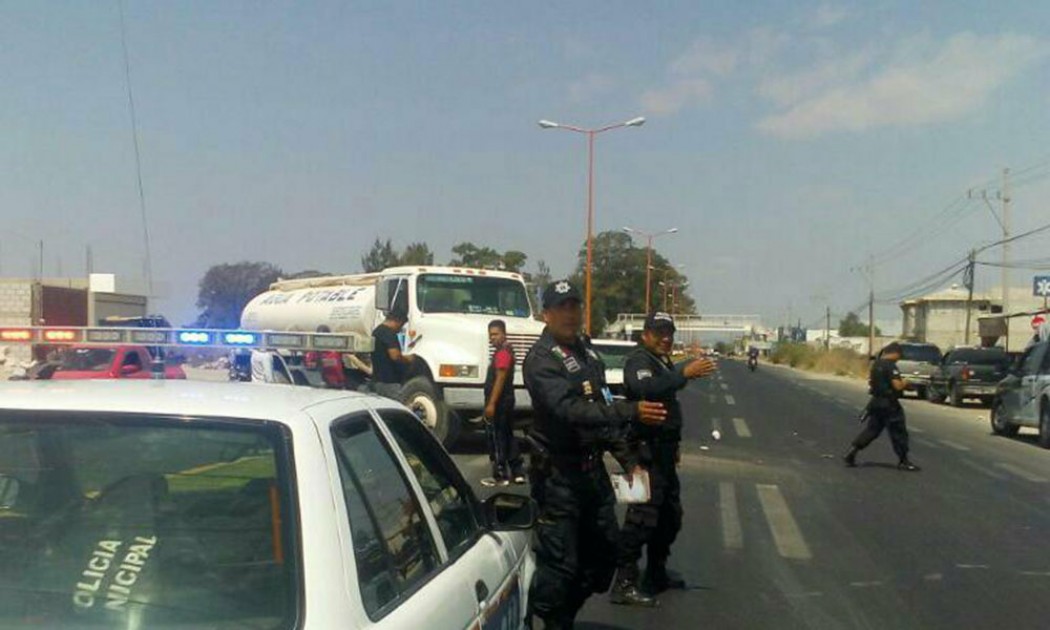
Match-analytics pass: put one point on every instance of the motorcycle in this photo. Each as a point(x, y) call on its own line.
point(752, 363)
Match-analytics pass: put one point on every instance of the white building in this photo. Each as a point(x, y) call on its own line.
point(940, 318)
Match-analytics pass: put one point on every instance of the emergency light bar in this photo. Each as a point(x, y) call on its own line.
point(182, 338)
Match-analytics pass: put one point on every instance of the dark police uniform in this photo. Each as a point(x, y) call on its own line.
point(884, 411)
point(575, 421)
point(656, 524)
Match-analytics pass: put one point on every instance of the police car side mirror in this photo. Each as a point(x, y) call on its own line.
point(509, 512)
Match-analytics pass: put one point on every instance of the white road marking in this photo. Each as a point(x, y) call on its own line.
point(843, 401)
point(928, 444)
point(933, 577)
point(981, 469)
point(915, 430)
point(786, 534)
point(955, 445)
point(866, 584)
point(1036, 573)
point(1022, 473)
point(730, 400)
point(741, 427)
point(732, 533)
point(725, 387)
point(972, 566)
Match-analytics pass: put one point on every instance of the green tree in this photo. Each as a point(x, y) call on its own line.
point(470, 255)
point(416, 254)
point(381, 256)
point(225, 290)
point(514, 260)
point(851, 326)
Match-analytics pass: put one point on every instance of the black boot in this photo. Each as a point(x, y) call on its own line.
point(907, 465)
point(625, 591)
point(851, 457)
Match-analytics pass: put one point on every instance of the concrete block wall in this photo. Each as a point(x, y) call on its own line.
point(16, 309)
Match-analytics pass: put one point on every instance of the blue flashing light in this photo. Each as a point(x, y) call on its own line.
point(194, 337)
point(240, 339)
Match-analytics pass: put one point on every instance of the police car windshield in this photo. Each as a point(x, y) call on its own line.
point(133, 521)
point(86, 360)
point(456, 293)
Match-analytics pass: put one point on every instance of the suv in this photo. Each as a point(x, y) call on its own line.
point(968, 373)
point(917, 364)
point(1023, 397)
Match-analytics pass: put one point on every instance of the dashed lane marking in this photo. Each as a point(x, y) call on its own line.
point(730, 400)
point(955, 445)
point(724, 386)
point(741, 427)
point(981, 469)
point(915, 430)
point(732, 533)
point(928, 444)
point(1021, 472)
point(786, 534)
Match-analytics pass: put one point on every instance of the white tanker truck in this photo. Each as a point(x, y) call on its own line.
point(448, 310)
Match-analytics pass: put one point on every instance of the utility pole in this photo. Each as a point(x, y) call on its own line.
point(871, 305)
point(827, 328)
point(40, 263)
point(1006, 254)
point(89, 261)
point(968, 282)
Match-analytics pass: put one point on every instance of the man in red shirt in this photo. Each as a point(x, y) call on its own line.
point(499, 408)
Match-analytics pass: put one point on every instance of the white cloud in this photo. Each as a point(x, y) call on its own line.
point(789, 89)
point(705, 56)
point(590, 86)
point(676, 96)
point(828, 15)
point(922, 85)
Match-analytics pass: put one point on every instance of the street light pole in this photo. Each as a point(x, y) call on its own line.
point(649, 259)
point(590, 133)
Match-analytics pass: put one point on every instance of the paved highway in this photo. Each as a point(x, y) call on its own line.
point(779, 534)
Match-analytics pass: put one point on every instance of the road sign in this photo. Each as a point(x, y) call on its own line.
point(1038, 321)
point(1041, 286)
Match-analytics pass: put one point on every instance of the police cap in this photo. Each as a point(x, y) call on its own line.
point(659, 321)
point(560, 292)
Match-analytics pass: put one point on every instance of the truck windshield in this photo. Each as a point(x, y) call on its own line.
point(140, 521)
point(86, 360)
point(454, 293)
point(921, 354)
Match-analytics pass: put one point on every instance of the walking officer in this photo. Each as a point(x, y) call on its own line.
point(575, 422)
point(649, 375)
point(884, 410)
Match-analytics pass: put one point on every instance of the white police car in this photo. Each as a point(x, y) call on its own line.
point(164, 504)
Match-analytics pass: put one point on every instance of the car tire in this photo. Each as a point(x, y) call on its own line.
point(954, 397)
point(1044, 425)
point(420, 395)
point(933, 396)
point(1000, 426)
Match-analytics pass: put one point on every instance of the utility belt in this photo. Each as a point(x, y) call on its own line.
point(545, 462)
point(651, 449)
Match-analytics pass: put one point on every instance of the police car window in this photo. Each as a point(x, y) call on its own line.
point(393, 547)
point(126, 521)
point(449, 496)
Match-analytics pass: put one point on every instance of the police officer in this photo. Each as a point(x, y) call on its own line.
point(575, 421)
point(884, 410)
point(649, 375)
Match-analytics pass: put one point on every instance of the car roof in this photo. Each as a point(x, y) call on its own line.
point(259, 401)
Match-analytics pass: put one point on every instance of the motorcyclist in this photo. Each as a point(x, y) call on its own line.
point(752, 357)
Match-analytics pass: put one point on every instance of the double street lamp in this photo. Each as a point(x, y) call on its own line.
point(590, 133)
point(649, 258)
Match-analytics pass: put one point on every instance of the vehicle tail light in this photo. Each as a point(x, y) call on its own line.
point(965, 374)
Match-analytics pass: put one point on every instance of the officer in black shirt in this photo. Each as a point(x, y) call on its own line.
point(648, 374)
point(575, 421)
point(389, 364)
point(884, 410)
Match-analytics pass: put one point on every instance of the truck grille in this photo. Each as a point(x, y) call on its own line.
point(522, 344)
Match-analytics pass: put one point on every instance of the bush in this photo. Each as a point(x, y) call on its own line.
point(839, 361)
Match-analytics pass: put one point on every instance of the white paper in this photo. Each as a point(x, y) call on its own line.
point(635, 492)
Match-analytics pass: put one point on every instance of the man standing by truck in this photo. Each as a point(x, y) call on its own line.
point(499, 408)
point(389, 364)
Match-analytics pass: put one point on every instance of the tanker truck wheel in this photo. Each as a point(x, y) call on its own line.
point(420, 395)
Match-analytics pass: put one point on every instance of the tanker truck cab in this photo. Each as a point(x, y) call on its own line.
point(448, 309)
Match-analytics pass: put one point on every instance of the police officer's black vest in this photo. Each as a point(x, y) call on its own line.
point(506, 399)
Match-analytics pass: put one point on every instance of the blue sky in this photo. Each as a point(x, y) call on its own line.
point(785, 140)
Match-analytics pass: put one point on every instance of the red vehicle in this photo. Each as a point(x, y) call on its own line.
point(107, 362)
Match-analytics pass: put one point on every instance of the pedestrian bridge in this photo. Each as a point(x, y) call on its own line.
point(690, 327)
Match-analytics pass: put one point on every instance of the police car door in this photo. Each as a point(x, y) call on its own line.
point(488, 564)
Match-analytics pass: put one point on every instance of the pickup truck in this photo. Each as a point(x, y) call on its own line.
point(917, 364)
point(103, 362)
point(968, 373)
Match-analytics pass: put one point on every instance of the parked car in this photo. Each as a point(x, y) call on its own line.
point(968, 373)
point(80, 363)
point(917, 364)
point(1023, 397)
point(613, 353)
point(182, 504)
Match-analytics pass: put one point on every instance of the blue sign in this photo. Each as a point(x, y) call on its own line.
point(1041, 286)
